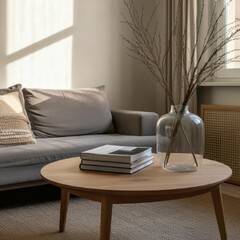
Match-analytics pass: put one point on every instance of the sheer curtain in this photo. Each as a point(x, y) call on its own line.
point(178, 20)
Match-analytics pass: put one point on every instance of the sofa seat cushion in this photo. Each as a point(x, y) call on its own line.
point(47, 150)
point(14, 125)
point(55, 113)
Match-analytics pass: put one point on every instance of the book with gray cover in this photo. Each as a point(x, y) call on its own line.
point(118, 164)
point(116, 169)
point(115, 153)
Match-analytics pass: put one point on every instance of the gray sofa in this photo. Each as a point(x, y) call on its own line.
point(62, 124)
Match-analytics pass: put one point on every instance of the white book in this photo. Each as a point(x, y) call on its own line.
point(115, 153)
point(116, 169)
point(117, 164)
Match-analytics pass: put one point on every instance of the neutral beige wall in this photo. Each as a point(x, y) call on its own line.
point(2, 42)
point(221, 95)
point(99, 55)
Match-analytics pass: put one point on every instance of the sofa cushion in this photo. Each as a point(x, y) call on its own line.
point(14, 124)
point(47, 150)
point(55, 113)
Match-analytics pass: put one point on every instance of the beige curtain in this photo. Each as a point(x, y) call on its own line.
point(178, 17)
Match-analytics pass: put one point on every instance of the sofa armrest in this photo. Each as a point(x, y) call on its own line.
point(137, 123)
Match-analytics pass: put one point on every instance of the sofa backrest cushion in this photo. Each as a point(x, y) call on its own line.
point(14, 124)
point(54, 112)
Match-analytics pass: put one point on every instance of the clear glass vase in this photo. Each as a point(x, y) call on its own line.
point(180, 140)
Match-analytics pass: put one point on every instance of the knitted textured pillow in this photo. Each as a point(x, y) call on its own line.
point(14, 129)
point(14, 125)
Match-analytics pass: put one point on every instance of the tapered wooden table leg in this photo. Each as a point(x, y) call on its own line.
point(106, 218)
point(63, 209)
point(218, 206)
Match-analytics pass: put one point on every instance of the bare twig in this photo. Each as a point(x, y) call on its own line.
point(147, 48)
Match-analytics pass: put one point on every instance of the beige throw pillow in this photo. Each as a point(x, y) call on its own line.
point(10, 103)
point(11, 99)
point(14, 124)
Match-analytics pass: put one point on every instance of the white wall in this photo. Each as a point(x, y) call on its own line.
point(98, 56)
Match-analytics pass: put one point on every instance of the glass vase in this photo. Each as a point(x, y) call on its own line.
point(180, 140)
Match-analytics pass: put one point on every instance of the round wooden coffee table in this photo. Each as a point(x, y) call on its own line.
point(147, 185)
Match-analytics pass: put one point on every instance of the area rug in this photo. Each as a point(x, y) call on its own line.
point(186, 219)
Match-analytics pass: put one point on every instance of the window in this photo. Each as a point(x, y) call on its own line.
point(230, 74)
point(232, 14)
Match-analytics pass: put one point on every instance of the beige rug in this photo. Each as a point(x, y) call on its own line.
point(185, 219)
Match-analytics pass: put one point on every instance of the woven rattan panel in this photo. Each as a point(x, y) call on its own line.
point(222, 136)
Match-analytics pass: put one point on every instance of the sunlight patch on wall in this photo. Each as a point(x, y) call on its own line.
point(49, 67)
point(39, 43)
point(30, 21)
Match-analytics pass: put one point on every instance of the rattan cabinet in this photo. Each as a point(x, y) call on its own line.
point(222, 136)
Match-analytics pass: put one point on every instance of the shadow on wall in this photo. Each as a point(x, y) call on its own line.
point(72, 44)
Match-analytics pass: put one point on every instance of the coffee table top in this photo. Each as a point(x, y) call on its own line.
point(66, 174)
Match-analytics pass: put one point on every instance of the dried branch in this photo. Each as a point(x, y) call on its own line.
point(147, 48)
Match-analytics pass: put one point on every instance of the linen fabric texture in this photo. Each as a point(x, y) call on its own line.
point(14, 124)
point(55, 113)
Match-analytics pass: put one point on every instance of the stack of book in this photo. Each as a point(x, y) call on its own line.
point(118, 159)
